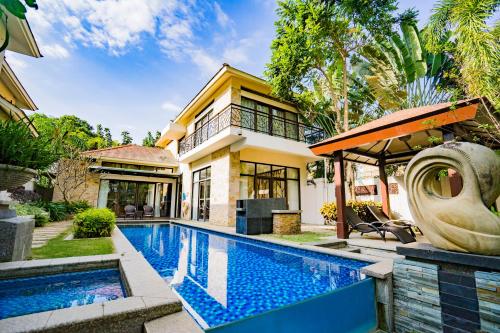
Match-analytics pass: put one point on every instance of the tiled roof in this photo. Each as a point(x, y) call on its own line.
point(133, 152)
point(397, 118)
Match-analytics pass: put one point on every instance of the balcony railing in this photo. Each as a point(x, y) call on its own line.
point(254, 120)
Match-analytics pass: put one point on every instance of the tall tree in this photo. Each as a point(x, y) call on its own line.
point(108, 137)
point(476, 46)
point(401, 73)
point(315, 41)
point(312, 52)
point(150, 140)
point(126, 138)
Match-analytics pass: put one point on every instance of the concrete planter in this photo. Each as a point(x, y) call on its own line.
point(12, 176)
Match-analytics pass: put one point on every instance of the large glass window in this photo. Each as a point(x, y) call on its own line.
point(116, 194)
point(201, 194)
point(263, 181)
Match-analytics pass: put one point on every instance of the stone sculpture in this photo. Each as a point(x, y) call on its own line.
point(463, 223)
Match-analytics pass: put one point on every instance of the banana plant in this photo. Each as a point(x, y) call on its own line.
point(401, 73)
point(17, 8)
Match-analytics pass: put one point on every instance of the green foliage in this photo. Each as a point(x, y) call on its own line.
point(94, 222)
point(17, 8)
point(126, 138)
point(475, 48)
point(60, 211)
point(57, 210)
point(41, 216)
point(315, 41)
point(401, 73)
point(150, 140)
point(329, 210)
point(18, 147)
point(74, 207)
point(73, 132)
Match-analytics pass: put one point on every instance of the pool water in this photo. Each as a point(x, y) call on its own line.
point(49, 292)
point(223, 278)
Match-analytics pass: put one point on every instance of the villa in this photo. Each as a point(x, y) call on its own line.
point(232, 141)
point(14, 99)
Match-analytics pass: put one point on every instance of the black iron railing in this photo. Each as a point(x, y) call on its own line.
point(254, 120)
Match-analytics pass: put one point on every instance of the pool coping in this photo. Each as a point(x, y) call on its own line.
point(148, 296)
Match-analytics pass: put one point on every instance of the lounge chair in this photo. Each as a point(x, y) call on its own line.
point(130, 211)
point(356, 223)
point(148, 211)
point(382, 218)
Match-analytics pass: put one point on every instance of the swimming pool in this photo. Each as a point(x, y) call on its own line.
point(223, 278)
point(23, 296)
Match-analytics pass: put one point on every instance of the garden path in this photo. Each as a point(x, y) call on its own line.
point(43, 234)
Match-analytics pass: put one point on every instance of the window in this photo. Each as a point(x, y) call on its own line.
point(202, 129)
point(201, 194)
point(264, 118)
point(263, 181)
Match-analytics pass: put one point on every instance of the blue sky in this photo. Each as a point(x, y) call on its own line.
point(133, 64)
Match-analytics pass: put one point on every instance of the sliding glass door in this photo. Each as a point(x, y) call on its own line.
point(201, 195)
point(116, 194)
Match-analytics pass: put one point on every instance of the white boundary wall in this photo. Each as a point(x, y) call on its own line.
point(314, 195)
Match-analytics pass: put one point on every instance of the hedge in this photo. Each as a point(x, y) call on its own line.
point(94, 222)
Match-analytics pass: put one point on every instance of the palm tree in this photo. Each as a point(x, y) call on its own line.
point(476, 48)
point(401, 73)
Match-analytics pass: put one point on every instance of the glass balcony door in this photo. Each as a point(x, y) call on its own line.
point(201, 195)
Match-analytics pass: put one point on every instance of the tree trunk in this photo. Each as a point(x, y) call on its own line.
point(345, 93)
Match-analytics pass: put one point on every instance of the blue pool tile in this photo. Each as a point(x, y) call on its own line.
point(43, 293)
point(224, 278)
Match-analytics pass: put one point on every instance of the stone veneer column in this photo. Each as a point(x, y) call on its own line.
point(224, 189)
point(416, 297)
point(488, 295)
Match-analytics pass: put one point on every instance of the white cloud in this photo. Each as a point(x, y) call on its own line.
point(220, 15)
point(55, 51)
point(170, 107)
point(181, 28)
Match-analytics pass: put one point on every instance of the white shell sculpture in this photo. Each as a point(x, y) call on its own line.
point(462, 223)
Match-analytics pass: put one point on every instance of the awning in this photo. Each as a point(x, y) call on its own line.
point(398, 136)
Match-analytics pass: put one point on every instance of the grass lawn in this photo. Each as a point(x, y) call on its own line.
point(306, 236)
point(59, 248)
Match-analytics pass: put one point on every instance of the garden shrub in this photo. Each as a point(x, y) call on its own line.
point(57, 210)
point(41, 216)
point(61, 210)
point(94, 222)
point(74, 207)
point(329, 210)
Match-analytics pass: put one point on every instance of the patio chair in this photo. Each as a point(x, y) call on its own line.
point(356, 223)
point(129, 211)
point(382, 218)
point(148, 211)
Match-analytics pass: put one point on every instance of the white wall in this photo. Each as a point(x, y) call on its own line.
point(313, 197)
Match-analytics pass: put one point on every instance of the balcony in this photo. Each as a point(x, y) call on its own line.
point(249, 119)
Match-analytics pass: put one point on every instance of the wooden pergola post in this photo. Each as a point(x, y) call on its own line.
point(384, 187)
point(339, 178)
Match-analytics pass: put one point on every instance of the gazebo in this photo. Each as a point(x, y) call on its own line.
point(397, 137)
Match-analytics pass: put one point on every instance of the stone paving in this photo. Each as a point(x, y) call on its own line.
point(42, 235)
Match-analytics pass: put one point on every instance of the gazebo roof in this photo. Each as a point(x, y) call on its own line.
point(398, 136)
